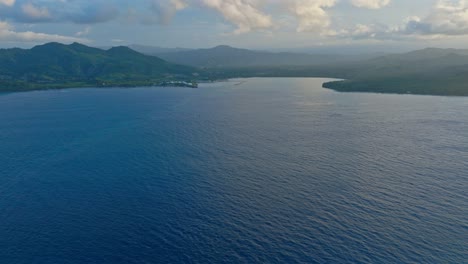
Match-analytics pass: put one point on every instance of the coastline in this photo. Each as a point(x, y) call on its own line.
point(76, 85)
point(338, 85)
point(387, 87)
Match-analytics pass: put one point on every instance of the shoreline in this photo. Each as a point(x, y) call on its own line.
point(337, 85)
point(346, 86)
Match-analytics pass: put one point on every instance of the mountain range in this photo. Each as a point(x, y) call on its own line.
point(228, 57)
point(429, 71)
point(57, 65)
point(155, 51)
point(53, 65)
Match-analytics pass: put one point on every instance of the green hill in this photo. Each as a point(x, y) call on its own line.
point(429, 71)
point(55, 65)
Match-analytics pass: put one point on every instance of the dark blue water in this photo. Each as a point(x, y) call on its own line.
point(249, 171)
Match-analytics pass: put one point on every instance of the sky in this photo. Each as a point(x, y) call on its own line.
point(258, 24)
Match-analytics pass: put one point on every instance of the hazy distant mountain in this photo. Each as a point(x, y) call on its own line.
point(419, 61)
point(427, 71)
point(423, 54)
point(154, 51)
point(55, 65)
point(229, 57)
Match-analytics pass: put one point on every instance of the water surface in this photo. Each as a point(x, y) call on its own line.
point(249, 171)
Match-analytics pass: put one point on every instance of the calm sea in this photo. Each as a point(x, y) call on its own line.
point(245, 171)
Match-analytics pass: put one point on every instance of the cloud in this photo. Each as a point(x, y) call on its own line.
point(370, 4)
point(59, 11)
point(84, 32)
point(248, 15)
point(449, 18)
point(166, 9)
point(244, 14)
point(35, 13)
point(96, 12)
point(7, 2)
point(7, 33)
point(373, 31)
point(446, 18)
point(311, 14)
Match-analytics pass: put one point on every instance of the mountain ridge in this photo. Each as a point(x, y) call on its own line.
point(430, 71)
point(225, 56)
point(54, 65)
point(59, 65)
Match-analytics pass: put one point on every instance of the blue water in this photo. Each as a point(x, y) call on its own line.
point(247, 171)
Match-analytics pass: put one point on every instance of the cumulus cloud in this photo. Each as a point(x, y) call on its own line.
point(447, 18)
point(371, 4)
point(35, 12)
point(166, 9)
point(245, 14)
point(8, 33)
point(373, 31)
point(311, 14)
point(249, 15)
point(7, 2)
point(59, 11)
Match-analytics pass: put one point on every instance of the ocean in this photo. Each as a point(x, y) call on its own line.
point(262, 170)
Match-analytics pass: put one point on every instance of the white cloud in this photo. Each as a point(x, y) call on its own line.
point(59, 11)
point(245, 14)
point(448, 18)
point(7, 2)
point(34, 12)
point(311, 14)
point(178, 4)
point(7, 33)
point(373, 31)
point(359, 31)
point(166, 9)
point(371, 4)
point(84, 32)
